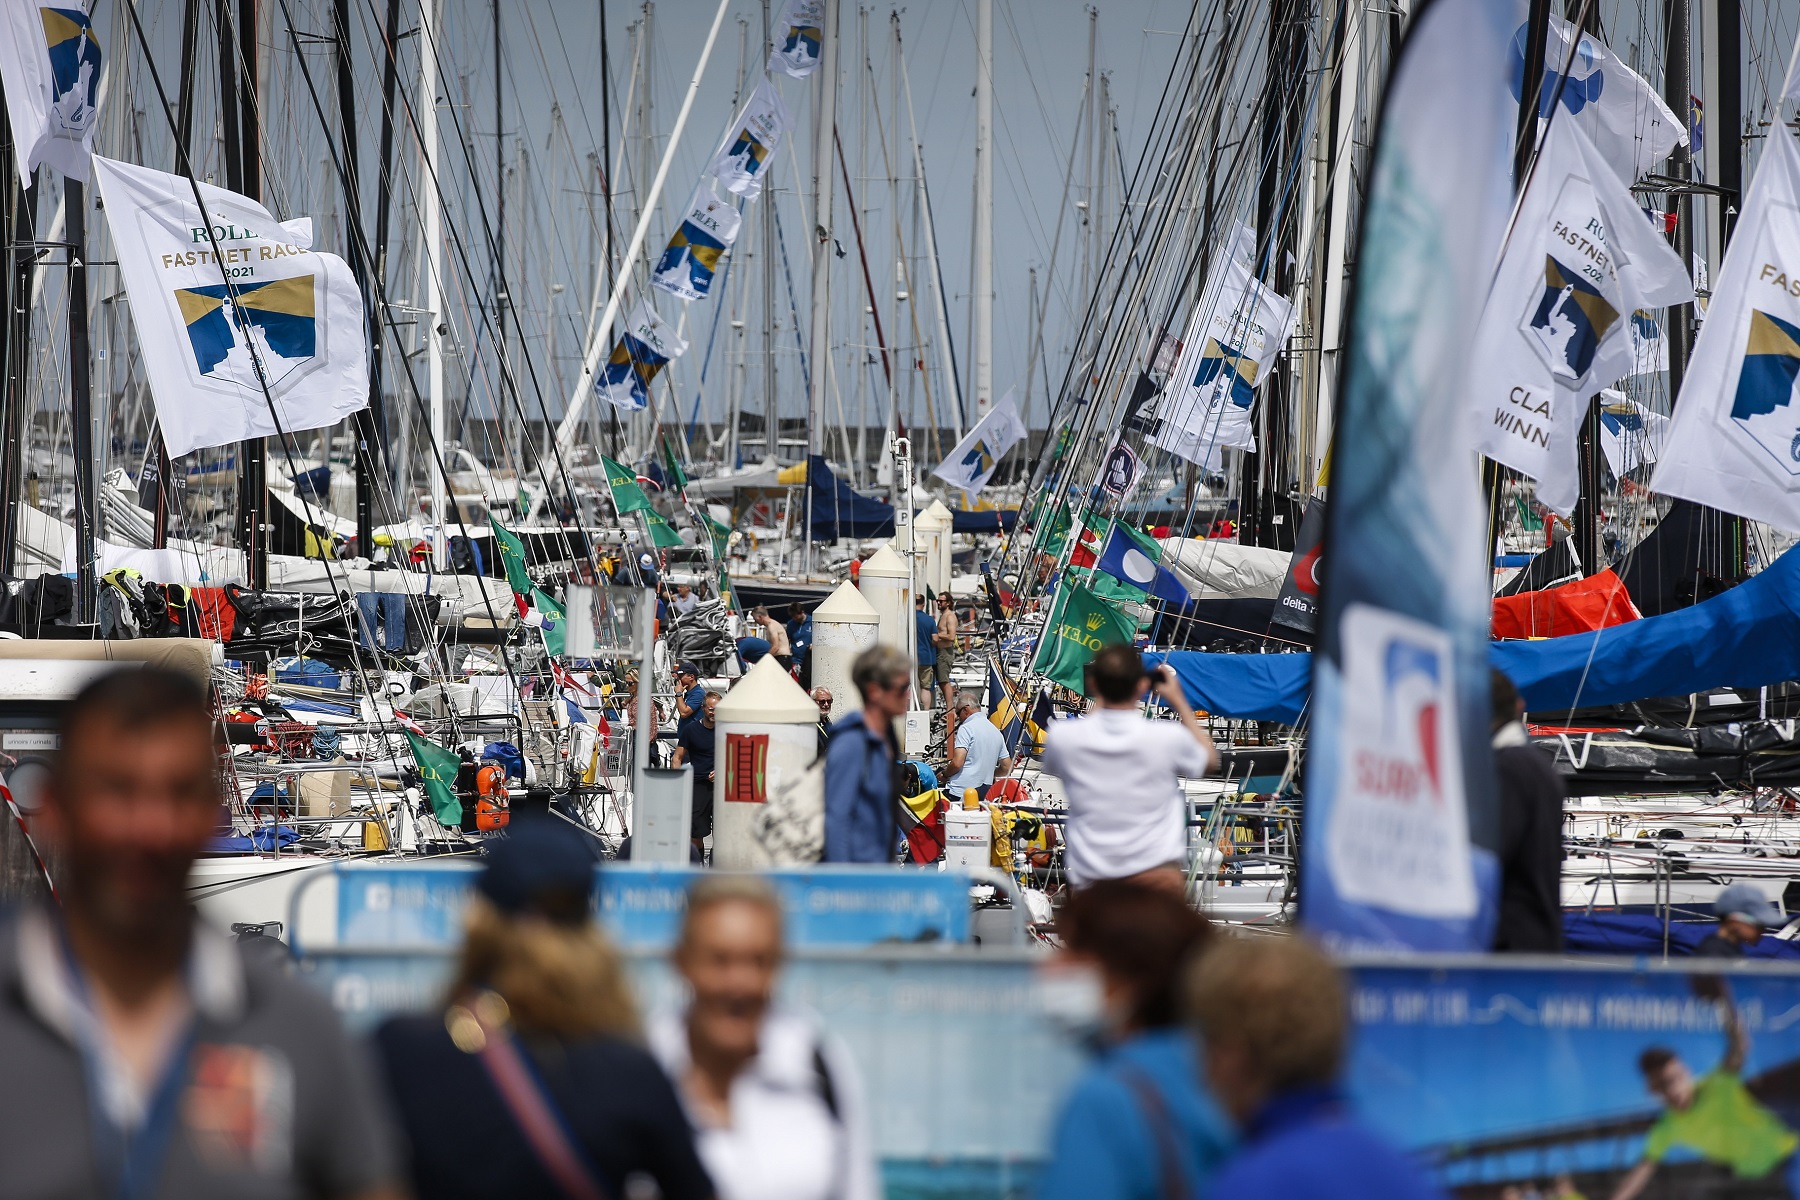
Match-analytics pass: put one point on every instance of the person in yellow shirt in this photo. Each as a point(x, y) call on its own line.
point(1713, 1116)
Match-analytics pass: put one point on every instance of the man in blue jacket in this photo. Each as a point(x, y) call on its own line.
point(860, 789)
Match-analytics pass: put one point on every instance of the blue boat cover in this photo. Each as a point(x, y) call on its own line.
point(840, 512)
point(1744, 638)
point(990, 520)
point(1642, 934)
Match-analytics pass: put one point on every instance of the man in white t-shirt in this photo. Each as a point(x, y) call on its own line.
point(1127, 817)
point(979, 754)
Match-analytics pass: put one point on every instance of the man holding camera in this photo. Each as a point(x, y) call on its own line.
point(1127, 818)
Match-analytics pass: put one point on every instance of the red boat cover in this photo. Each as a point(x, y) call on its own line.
point(1579, 606)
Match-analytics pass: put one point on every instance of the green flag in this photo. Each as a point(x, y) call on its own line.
point(1056, 533)
point(1080, 624)
point(627, 496)
point(719, 532)
point(1108, 588)
point(556, 622)
point(678, 478)
point(512, 557)
point(1146, 545)
point(438, 766)
point(662, 534)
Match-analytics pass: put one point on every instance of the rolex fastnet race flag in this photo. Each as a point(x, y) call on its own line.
point(743, 160)
point(225, 312)
point(1734, 441)
point(971, 463)
point(799, 38)
point(50, 67)
point(1557, 328)
point(640, 354)
point(691, 259)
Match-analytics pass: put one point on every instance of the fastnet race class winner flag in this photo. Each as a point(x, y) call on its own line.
point(971, 464)
point(1400, 822)
point(199, 311)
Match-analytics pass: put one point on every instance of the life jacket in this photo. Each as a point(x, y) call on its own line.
point(491, 798)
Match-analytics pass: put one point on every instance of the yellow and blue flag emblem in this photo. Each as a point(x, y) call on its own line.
point(687, 266)
point(1572, 317)
point(1219, 359)
point(284, 309)
point(74, 57)
point(1771, 363)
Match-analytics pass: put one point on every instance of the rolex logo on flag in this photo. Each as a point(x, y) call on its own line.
point(244, 329)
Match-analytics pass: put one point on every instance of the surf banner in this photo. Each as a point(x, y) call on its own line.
point(1580, 261)
point(50, 66)
point(1400, 819)
point(225, 313)
point(744, 159)
point(1734, 442)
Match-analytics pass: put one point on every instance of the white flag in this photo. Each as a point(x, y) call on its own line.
point(50, 66)
point(1630, 434)
point(799, 35)
point(1734, 442)
point(1231, 345)
point(971, 464)
point(210, 323)
point(1649, 348)
point(1620, 112)
point(688, 264)
point(744, 159)
point(644, 348)
point(1580, 261)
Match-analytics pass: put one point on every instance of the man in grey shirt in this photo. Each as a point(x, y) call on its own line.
point(141, 1055)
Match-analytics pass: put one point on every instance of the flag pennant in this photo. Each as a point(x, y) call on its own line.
point(1134, 558)
point(1624, 117)
point(662, 534)
point(1630, 434)
point(972, 463)
point(799, 38)
point(1557, 324)
point(644, 348)
point(1401, 822)
point(50, 68)
point(672, 468)
point(1080, 624)
point(512, 558)
point(690, 261)
point(1236, 333)
point(227, 334)
point(1734, 441)
point(743, 160)
point(555, 621)
point(627, 496)
point(437, 768)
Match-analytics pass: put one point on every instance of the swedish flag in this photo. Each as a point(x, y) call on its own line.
point(1771, 363)
point(1568, 296)
point(282, 308)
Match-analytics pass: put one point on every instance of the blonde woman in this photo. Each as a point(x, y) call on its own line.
point(777, 1103)
point(532, 1081)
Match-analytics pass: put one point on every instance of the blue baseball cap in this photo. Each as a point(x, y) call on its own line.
point(1746, 902)
point(543, 866)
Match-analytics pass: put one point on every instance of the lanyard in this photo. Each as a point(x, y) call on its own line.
point(133, 1159)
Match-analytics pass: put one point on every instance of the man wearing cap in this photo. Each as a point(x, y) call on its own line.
point(687, 682)
point(1743, 912)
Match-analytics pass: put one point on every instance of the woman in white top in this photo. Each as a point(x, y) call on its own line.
point(776, 1103)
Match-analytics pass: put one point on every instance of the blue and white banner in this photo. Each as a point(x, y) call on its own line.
point(690, 261)
point(223, 314)
point(1579, 260)
point(971, 464)
point(50, 67)
point(1630, 434)
point(1617, 108)
point(1735, 439)
point(744, 158)
point(1399, 783)
point(1232, 341)
point(799, 38)
point(644, 348)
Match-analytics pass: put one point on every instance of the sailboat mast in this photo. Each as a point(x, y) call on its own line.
point(824, 127)
point(81, 403)
point(984, 207)
point(434, 257)
point(771, 406)
point(362, 424)
point(243, 174)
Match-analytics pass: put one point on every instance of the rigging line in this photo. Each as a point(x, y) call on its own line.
point(255, 354)
point(793, 301)
point(562, 467)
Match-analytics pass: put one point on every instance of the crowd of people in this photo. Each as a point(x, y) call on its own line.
point(143, 1054)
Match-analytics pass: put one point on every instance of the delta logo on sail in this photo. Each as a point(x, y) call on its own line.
point(222, 320)
point(1762, 405)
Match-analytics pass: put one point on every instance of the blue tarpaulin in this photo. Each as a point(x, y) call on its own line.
point(838, 511)
point(1745, 638)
